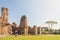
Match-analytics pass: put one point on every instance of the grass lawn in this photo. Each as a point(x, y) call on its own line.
point(31, 37)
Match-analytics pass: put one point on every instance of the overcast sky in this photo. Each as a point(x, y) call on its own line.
point(37, 11)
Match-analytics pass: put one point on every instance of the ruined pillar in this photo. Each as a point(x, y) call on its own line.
point(39, 30)
point(23, 25)
point(35, 29)
point(4, 15)
point(29, 30)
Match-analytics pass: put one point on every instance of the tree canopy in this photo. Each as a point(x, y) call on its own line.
point(51, 22)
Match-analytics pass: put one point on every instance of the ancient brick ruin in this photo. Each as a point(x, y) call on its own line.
point(23, 27)
point(11, 29)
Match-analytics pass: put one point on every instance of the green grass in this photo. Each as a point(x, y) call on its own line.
point(32, 37)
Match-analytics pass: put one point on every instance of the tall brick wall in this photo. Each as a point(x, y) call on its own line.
point(5, 15)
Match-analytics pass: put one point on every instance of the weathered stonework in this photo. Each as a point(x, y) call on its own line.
point(5, 15)
point(23, 25)
point(23, 28)
point(5, 30)
point(0, 24)
point(4, 25)
point(29, 30)
point(35, 29)
point(39, 30)
point(13, 28)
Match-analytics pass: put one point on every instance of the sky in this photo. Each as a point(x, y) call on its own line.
point(37, 11)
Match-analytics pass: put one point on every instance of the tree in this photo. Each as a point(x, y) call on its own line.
point(50, 24)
